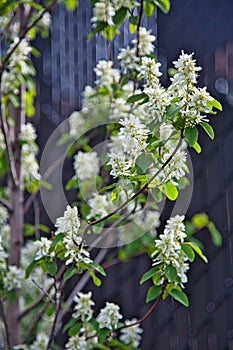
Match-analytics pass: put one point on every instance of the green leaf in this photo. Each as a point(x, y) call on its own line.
point(200, 220)
point(215, 234)
point(120, 15)
point(43, 228)
point(197, 147)
point(156, 194)
point(115, 193)
point(164, 5)
point(180, 296)
point(69, 273)
point(208, 129)
point(31, 267)
point(99, 28)
point(189, 252)
point(71, 4)
point(143, 162)
point(148, 8)
point(136, 97)
point(95, 279)
point(149, 274)
point(74, 329)
point(170, 273)
point(106, 188)
point(103, 333)
point(51, 267)
point(191, 136)
point(215, 103)
point(57, 239)
point(132, 28)
point(171, 191)
point(98, 268)
point(71, 322)
point(198, 251)
point(173, 110)
point(28, 229)
point(153, 293)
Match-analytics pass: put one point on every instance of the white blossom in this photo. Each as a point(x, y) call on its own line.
point(40, 343)
point(106, 74)
point(77, 124)
point(131, 335)
point(75, 251)
point(103, 12)
point(168, 247)
point(145, 46)
point(28, 133)
point(83, 307)
point(3, 256)
point(68, 223)
point(128, 58)
point(13, 278)
point(150, 70)
point(125, 3)
point(119, 164)
point(109, 316)
point(86, 165)
point(119, 109)
point(77, 342)
point(43, 245)
point(100, 205)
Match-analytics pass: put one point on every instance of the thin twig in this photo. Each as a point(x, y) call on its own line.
point(6, 204)
point(4, 320)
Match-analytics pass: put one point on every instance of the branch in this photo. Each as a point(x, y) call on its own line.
point(6, 204)
point(22, 36)
point(91, 223)
point(4, 320)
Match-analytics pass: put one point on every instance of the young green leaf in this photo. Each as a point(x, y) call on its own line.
point(57, 239)
point(136, 97)
point(95, 279)
point(164, 5)
point(189, 252)
point(191, 136)
point(74, 329)
point(69, 273)
point(148, 8)
point(149, 274)
point(180, 296)
point(171, 191)
point(170, 273)
point(215, 234)
point(200, 220)
point(198, 251)
point(51, 267)
point(98, 268)
point(68, 325)
point(153, 293)
point(197, 147)
point(120, 15)
point(31, 267)
point(208, 129)
point(143, 162)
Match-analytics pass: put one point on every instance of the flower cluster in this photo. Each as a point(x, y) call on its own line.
point(86, 165)
point(83, 307)
point(168, 249)
point(13, 278)
point(131, 335)
point(69, 224)
point(109, 316)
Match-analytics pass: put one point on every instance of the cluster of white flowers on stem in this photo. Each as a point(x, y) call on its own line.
point(83, 307)
point(168, 249)
point(109, 316)
point(131, 335)
point(86, 165)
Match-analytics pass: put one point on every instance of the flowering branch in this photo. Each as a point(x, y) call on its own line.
point(141, 190)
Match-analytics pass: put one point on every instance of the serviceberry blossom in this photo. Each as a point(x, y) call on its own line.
point(86, 165)
point(128, 59)
point(68, 223)
point(145, 46)
point(83, 307)
point(28, 133)
point(131, 335)
point(75, 251)
point(109, 316)
point(14, 277)
point(103, 11)
point(40, 343)
point(187, 70)
point(106, 74)
point(119, 164)
point(119, 109)
point(149, 70)
point(124, 3)
point(159, 99)
point(76, 124)
point(78, 342)
point(100, 205)
point(43, 245)
point(168, 248)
